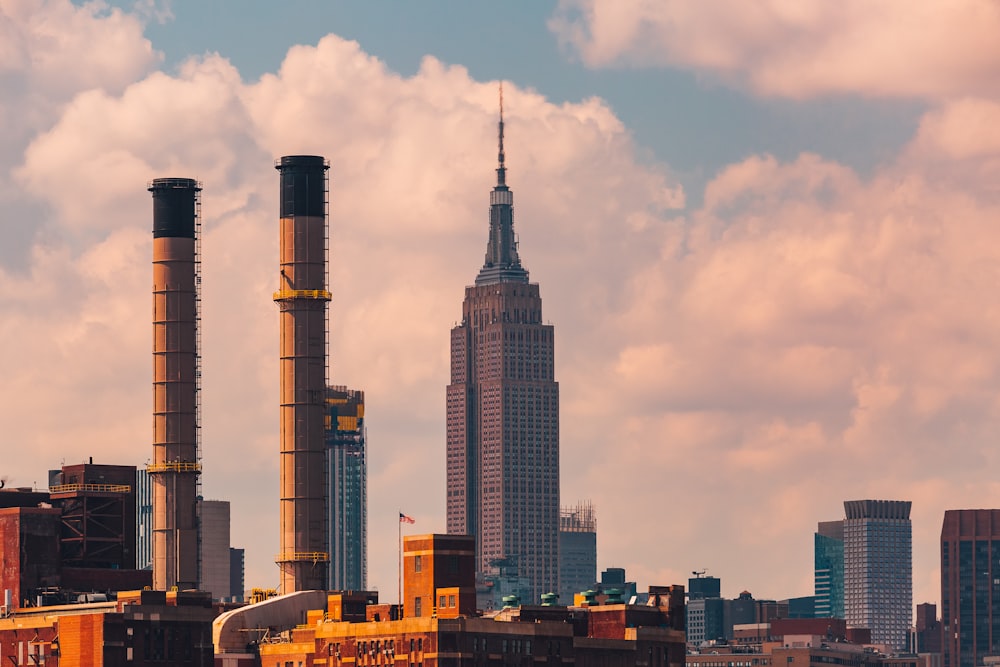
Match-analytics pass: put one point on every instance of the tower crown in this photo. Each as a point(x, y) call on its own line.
point(502, 262)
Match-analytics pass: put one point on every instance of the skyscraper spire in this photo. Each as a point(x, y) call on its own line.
point(502, 262)
point(501, 169)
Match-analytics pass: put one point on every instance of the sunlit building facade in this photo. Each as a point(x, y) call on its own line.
point(503, 413)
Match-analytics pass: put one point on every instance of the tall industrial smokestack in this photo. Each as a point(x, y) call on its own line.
point(176, 374)
point(302, 299)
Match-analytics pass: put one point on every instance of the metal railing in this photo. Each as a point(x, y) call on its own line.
point(175, 466)
point(286, 294)
point(103, 488)
point(302, 556)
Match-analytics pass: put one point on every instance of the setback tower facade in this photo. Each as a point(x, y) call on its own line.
point(176, 374)
point(970, 596)
point(503, 413)
point(878, 569)
point(828, 569)
point(348, 475)
point(302, 299)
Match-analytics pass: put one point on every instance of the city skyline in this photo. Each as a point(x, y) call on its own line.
point(777, 265)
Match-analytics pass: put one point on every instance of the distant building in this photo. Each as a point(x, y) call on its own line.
point(214, 547)
point(614, 578)
point(878, 577)
point(346, 442)
point(237, 583)
point(828, 561)
point(143, 519)
point(502, 580)
point(970, 572)
point(705, 610)
point(927, 633)
point(701, 586)
point(705, 620)
point(801, 607)
point(577, 550)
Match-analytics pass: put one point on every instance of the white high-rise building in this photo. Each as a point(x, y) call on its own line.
point(878, 569)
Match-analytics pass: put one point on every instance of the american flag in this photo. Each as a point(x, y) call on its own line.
point(406, 519)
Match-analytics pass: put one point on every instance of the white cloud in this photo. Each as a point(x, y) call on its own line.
point(797, 49)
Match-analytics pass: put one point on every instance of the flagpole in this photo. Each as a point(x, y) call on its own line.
point(399, 567)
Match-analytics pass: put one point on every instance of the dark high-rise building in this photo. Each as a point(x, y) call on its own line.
point(237, 563)
point(927, 632)
point(828, 564)
point(503, 412)
point(970, 596)
point(348, 477)
point(700, 586)
point(878, 569)
point(577, 551)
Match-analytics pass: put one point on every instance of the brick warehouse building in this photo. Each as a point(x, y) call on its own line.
point(140, 628)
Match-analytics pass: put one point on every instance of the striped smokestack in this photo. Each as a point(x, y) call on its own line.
point(302, 299)
point(175, 467)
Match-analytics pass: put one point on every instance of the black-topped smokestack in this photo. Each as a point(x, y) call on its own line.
point(303, 185)
point(173, 207)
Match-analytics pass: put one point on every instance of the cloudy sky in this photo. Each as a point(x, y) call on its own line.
point(767, 234)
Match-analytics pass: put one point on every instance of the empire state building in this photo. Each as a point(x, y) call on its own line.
point(503, 412)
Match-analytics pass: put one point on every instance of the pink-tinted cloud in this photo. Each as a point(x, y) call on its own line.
point(798, 49)
point(804, 336)
point(412, 164)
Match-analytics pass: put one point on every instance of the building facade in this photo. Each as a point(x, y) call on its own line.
point(237, 569)
point(440, 627)
point(214, 549)
point(346, 441)
point(503, 412)
point(878, 569)
point(577, 550)
point(828, 569)
point(143, 520)
point(970, 594)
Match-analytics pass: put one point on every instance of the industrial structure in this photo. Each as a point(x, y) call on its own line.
point(348, 495)
point(78, 537)
point(176, 463)
point(302, 298)
point(503, 412)
point(97, 510)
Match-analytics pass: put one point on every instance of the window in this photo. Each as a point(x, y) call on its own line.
point(451, 600)
point(441, 602)
point(417, 606)
point(417, 563)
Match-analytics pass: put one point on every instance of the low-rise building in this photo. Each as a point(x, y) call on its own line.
point(440, 626)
